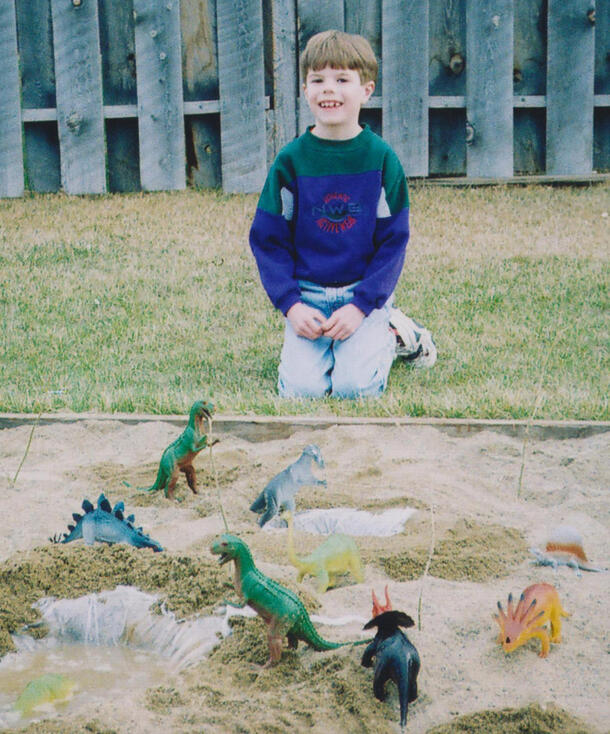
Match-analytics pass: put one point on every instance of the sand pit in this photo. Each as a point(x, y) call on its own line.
point(465, 487)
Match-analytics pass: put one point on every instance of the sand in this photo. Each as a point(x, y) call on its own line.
point(464, 489)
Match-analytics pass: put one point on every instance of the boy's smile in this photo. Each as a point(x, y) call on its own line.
point(335, 97)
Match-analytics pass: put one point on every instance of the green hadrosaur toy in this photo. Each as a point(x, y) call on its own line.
point(338, 554)
point(281, 609)
point(179, 455)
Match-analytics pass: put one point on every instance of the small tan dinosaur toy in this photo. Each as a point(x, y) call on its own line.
point(336, 555)
point(537, 605)
point(564, 548)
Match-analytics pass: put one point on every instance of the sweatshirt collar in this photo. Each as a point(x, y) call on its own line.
point(338, 145)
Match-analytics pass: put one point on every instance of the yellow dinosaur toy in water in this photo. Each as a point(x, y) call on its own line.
point(46, 688)
point(338, 554)
point(537, 605)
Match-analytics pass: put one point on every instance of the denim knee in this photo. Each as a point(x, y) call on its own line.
point(347, 388)
point(310, 386)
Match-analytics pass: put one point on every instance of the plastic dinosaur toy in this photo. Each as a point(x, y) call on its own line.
point(179, 455)
point(44, 689)
point(281, 490)
point(338, 554)
point(281, 609)
point(378, 607)
point(564, 548)
point(396, 658)
point(537, 605)
point(105, 525)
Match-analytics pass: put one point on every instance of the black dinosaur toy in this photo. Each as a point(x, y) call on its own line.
point(396, 658)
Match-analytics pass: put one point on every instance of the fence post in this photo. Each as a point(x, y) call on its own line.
point(78, 74)
point(160, 101)
point(11, 151)
point(489, 88)
point(569, 96)
point(241, 74)
point(285, 72)
point(405, 82)
point(314, 17)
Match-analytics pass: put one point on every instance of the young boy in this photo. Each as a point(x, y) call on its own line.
point(330, 231)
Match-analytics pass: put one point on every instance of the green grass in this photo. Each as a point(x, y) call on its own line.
point(146, 302)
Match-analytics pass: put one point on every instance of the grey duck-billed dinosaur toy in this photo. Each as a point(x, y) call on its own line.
point(396, 659)
point(105, 525)
point(281, 490)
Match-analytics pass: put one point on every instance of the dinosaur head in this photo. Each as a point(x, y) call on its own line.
point(227, 547)
point(202, 409)
point(379, 608)
point(315, 453)
point(516, 622)
point(388, 622)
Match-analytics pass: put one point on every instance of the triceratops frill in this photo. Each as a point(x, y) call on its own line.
point(105, 525)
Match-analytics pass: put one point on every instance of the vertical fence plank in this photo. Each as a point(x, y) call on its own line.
point(314, 17)
point(364, 18)
point(285, 75)
point(601, 148)
point(200, 82)
point(489, 88)
point(405, 104)
point(35, 41)
point(569, 97)
point(242, 95)
point(529, 78)
point(160, 100)
point(117, 43)
point(11, 151)
point(79, 96)
point(447, 54)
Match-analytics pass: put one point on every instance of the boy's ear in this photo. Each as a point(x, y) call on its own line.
point(369, 88)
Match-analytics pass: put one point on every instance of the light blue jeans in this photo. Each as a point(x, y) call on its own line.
point(355, 367)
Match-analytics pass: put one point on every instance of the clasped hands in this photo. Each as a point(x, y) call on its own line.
point(311, 323)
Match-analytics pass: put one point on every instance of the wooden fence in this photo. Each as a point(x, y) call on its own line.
point(123, 95)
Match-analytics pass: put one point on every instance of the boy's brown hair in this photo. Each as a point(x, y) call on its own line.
point(339, 50)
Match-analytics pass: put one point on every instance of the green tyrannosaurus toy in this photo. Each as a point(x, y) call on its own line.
point(179, 455)
point(338, 554)
point(281, 609)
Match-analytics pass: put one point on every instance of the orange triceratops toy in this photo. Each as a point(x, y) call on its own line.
point(538, 604)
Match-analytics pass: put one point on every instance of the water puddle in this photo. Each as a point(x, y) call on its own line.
point(349, 521)
point(99, 673)
point(107, 643)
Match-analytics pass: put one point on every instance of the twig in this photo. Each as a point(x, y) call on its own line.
point(214, 472)
point(423, 578)
point(27, 448)
point(530, 420)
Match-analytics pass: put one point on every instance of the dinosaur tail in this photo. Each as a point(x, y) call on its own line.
point(292, 556)
point(259, 503)
point(143, 541)
point(152, 488)
point(313, 638)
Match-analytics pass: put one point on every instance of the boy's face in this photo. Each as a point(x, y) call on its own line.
point(335, 97)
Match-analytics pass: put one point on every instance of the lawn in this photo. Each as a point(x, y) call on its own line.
point(146, 302)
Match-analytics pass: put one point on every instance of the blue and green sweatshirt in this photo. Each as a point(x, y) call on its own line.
point(332, 212)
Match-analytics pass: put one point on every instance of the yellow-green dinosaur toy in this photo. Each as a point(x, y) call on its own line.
point(44, 689)
point(338, 554)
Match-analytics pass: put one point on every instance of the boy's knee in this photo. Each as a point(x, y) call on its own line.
point(347, 388)
point(304, 387)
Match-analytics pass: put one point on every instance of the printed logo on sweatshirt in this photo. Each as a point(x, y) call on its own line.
point(337, 213)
